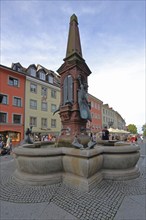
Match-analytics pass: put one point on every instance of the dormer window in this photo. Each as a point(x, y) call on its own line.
point(32, 72)
point(17, 67)
point(50, 79)
point(42, 75)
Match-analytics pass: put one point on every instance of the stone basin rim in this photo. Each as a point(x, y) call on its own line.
point(22, 151)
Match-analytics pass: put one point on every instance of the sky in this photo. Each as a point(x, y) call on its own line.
point(112, 34)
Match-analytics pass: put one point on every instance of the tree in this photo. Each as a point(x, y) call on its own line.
point(132, 128)
point(144, 130)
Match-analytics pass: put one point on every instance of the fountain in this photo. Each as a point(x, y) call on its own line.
point(75, 159)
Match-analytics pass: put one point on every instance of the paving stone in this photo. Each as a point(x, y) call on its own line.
point(102, 202)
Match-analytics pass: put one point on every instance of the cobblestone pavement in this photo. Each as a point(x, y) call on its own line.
point(102, 203)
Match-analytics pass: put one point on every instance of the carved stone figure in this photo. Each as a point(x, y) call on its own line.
point(76, 143)
point(91, 144)
point(28, 140)
point(83, 102)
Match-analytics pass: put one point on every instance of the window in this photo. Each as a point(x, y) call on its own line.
point(50, 79)
point(33, 88)
point(32, 72)
point(44, 91)
point(16, 119)
point(104, 118)
point(13, 81)
point(53, 93)
point(42, 76)
point(98, 116)
point(68, 90)
point(53, 123)
point(5, 100)
point(33, 121)
point(53, 108)
point(44, 106)
point(17, 67)
point(17, 102)
point(44, 123)
point(98, 106)
point(3, 117)
point(33, 104)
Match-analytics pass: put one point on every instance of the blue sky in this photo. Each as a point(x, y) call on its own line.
point(112, 38)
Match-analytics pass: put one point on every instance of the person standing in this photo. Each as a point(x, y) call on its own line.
point(8, 142)
point(105, 133)
point(1, 144)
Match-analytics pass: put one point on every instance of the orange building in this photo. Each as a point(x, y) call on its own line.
point(96, 113)
point(12, 107)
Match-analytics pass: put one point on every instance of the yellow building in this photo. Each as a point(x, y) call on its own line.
point(42, 98)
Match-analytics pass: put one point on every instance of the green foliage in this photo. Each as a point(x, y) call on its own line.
point(144, 130)
point(132, 128)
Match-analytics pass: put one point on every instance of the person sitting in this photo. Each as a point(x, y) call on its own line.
point(6, 147)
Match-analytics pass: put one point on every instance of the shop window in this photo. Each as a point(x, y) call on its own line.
point(15, 136)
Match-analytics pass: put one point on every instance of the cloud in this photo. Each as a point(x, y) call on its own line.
point(112, 39)
point(121, 84)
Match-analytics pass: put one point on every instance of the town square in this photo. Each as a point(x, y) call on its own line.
point(65, 152)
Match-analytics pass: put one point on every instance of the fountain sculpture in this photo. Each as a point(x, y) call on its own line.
point(75, 159)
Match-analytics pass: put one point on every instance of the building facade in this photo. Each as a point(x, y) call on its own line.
point(95, 125)
point(112, 118)
point(31, 95)
point(42, 98)
point(12, 107)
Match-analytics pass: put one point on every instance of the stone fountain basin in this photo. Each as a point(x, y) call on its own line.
point(79, 168)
